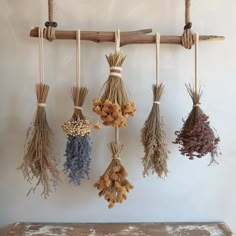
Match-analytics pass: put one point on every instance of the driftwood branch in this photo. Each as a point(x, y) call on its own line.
point(131, 37)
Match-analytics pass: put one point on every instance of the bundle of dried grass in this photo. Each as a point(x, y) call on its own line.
point(113, 184)
point(78, 129)
point(152, 133)
point(197, 138)
point(153, 139)
point(113, 105)
point(38, 161)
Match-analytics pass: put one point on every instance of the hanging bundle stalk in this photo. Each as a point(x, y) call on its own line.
point(78, 128)
point(113, 105)
point(39, 162)
point(113, 184)
point(152, 133)
point(197, 138)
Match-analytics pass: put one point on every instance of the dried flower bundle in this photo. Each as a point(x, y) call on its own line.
point(38, 161)
point(113, 105)
point(197, 138)
point(113, 184)
point(153, 139)
point(79, 144)
point(78, 158)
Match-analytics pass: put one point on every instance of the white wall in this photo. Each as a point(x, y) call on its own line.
point(193, 191)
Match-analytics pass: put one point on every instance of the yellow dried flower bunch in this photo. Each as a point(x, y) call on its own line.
point(113, 184)
point(112, 114)
point(76, 128)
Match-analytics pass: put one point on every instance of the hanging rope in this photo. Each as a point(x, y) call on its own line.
point(78, 58)
point(196, 82)
point(187, 37)
point(158, 38)
point(117, 41)
point(50, 31)
point(41, 56)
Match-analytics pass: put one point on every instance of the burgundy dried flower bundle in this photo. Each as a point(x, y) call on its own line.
point(39, 162)
point(197, 138)
point(152, 133)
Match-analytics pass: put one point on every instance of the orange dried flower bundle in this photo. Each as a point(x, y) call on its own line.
point(113, 105)
point(113, 184)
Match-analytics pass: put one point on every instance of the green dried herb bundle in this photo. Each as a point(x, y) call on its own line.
point(113, 96)
point(39, 162)
point(113, 184)
point(197, 138)
point(153, 139)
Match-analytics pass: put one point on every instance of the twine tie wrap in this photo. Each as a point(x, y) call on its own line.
point(157, 102)
point(42, 105)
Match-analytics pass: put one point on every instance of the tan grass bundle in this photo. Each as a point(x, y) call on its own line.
point(113, 105)
point(113, 184)
point(153, 139)
point(152, 133)
point(38, 161)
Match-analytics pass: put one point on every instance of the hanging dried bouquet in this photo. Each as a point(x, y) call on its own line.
point(197, 138)
point(113, 105)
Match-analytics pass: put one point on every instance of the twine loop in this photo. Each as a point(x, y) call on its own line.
point(78, 108)
point(116, 157)
point(115, 74)
point(157, 102)
point(117, 40)
point(41, 104)
point(197, 105)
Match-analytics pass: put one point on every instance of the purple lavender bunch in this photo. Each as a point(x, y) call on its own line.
point(78, 157)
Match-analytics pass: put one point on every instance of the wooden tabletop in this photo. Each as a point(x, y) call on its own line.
point(119, 229)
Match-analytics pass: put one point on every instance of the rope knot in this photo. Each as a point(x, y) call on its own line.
point(188, 26)
point(187, 38)
point(50, 33)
